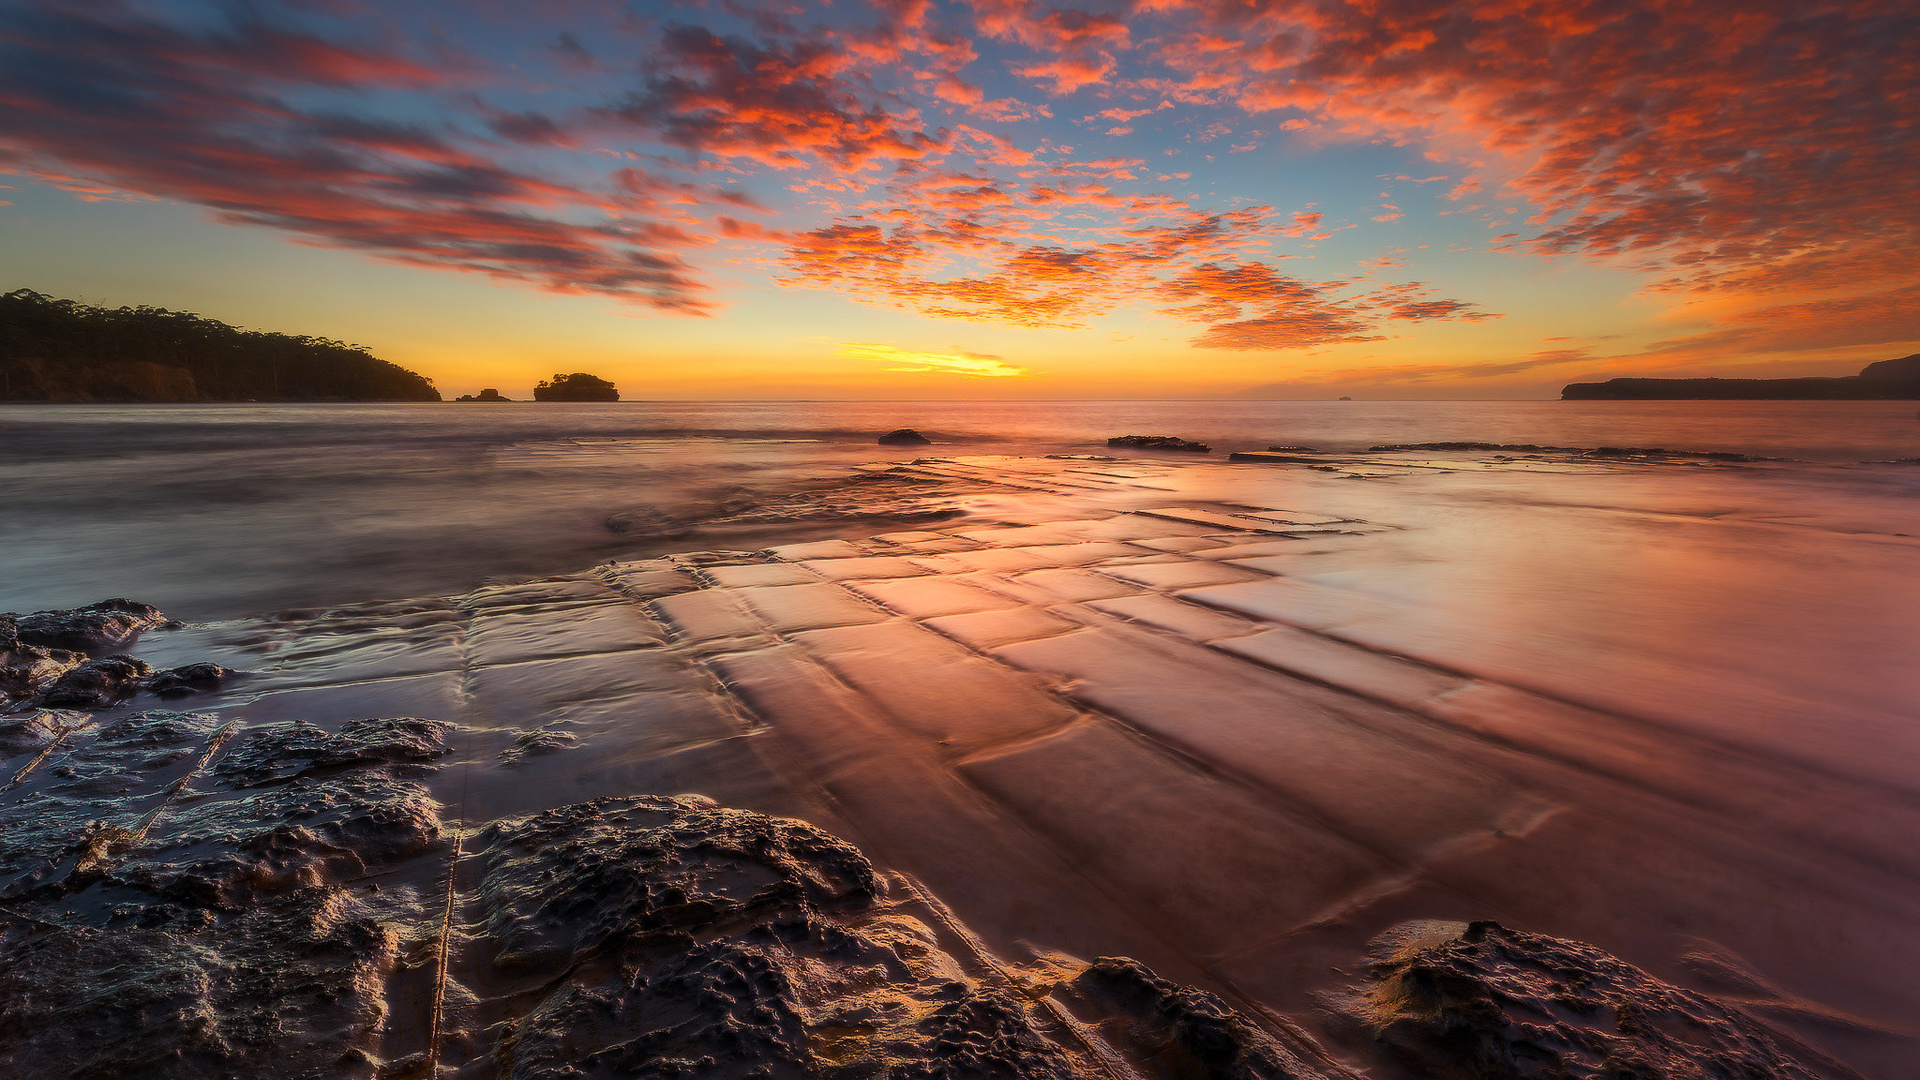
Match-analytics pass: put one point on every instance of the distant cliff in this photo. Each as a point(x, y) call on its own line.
point(1888, 380)
point(62, 350)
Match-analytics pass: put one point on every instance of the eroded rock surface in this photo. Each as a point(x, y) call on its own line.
point(166, 919)
point(53, 659)
point(1482, 1002)
point(678, 938)
point(26, 670)
point(92, 629)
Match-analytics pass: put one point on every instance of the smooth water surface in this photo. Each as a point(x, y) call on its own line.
point(214, 510)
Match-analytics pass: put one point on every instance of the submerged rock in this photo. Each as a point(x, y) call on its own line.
point(538, 743)
point(647, 523)
point(1158, 442)
point(904, 437)
point(1482, 1002)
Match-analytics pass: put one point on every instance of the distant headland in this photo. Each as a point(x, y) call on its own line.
point(1888, 380)
point(63, 350)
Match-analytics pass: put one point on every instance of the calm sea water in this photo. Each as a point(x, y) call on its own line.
point(212, 511)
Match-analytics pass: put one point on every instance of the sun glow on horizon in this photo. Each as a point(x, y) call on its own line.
point(1176, 196)
point(945, 363)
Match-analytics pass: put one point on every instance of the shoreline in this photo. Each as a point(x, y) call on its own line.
point(1162, 710)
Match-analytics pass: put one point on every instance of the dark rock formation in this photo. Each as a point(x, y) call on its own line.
point(1158, 442)
point(489, 394)
point(1190, 1032)
point(44, 658)
point(229, 941)
point(26, 670)
point(96, 684)
point(578, 386)
point(280, 752)
point(29, 734)
point(1482, 1002)
point(109, 624)
point(1886, 380)
point(905, 437)
point(201, 678)
point(675, 938)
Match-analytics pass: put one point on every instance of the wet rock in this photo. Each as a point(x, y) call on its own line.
point(1158, 442)
point(874, 495)
point(26, 670)
point(93, 629)
point(571, 881)
point(279, 752)
point(96, 684)
point(174, 923)
point(1488, 1003)
point(29, 735)
point(983, 1033)
point(537, 743)
point(1192, 1032)
point(682, 939)
point(202, 678)
point(647, 523)
point(904, 437)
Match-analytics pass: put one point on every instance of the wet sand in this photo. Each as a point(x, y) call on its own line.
point(1256, 726)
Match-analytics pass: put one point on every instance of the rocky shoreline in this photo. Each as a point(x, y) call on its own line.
point(945, 780)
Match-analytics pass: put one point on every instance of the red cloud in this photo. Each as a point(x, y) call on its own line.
point(784, 104)
point(972, 247)
point(100, 93)
point(1735, 144)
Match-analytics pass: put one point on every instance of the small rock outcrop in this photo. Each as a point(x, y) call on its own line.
point(1158, 442)
point(904, 437)
point(1482, 1002)
point(489, 394)
point(95, 628)
point(53, 659)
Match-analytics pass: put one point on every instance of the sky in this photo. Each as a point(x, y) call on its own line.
point(903, 199)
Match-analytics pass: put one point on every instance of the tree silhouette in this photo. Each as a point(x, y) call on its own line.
point(63, 350)
point(578, 386)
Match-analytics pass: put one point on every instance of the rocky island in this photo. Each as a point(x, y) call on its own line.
point(578, 386)
point(1888, 380)
point(63, 350)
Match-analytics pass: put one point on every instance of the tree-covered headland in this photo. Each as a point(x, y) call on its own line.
point(63, 350)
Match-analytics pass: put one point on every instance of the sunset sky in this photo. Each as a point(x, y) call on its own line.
point(995, 198)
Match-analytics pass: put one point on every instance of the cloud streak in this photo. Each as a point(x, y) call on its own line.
point(952, 362)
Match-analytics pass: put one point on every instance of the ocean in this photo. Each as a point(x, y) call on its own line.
point(214, 511)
